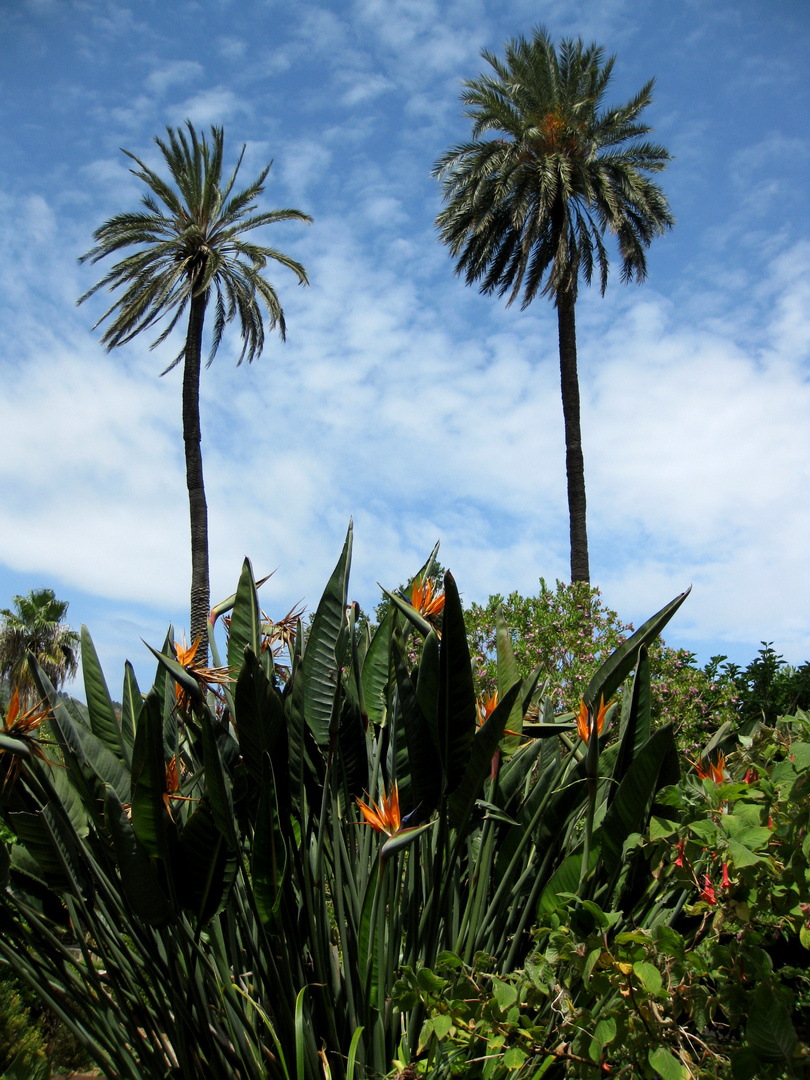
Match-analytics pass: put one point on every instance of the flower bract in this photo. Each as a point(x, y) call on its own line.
point(385, 817)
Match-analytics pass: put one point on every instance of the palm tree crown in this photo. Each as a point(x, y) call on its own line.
point(37, 626)
point(548, 172)
point(536, 197)
point(190, 245)
point(191, 242)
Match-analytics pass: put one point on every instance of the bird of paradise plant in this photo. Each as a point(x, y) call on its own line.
point(20, 735)
point(257, 926)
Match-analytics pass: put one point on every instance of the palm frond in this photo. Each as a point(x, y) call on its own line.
point(541, 141)
point(190, 242)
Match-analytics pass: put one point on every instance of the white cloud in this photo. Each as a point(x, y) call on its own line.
point(216, 106)
point(173, 73)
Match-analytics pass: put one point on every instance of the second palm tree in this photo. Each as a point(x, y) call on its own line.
point(529, 199)
point(191, 246)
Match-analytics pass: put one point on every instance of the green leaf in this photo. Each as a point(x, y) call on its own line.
point(515, 1057)
point(321, 667)
point(479, 764)
point(376, 670)
point(103, 720)
point(636, 722)
point(424, 763)
point(151, 820)
point(508, 675)
point(259, 715)
point(109, 768)
point(620, 663)
point(441, 1025)
point(218, 784)
point(667, 1065)
point(269, 863)
point(427, 684)
point(456, 690)
point(603, 1033)
point(655, 766)
point(245, 631)
point(141, 887)
point(648, 975)
point(741, 855)
point(28, 1065)
point(505, 994)
point(131, 704)
point(565, 880)
point(206, 867)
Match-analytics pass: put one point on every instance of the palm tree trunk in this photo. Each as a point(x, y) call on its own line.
point(574, 464)
point(198, 510)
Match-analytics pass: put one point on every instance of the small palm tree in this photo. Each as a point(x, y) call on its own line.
point(529, 199)
point(37, 626)
point(191, 245)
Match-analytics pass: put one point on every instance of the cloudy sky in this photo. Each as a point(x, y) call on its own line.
point(402, 397)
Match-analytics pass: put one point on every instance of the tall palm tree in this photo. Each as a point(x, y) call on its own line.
point(37, 626)
point(190, 244)
point(548, 171)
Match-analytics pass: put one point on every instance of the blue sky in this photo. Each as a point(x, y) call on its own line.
point(402, 397)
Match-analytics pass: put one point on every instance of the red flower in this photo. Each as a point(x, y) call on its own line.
point(679, 849)
point(726, 882)
point(708, 892)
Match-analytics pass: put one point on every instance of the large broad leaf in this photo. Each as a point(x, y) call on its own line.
point(269, 864)
point(636, 720)
point(655, 766)
point(103, 720)
point(320, 669)
point(245, 631)
point(151, 819)
point(456, 712)
point(259, 715)
point(104, 763)
point(218, 785)
point(769, 1030)
point(427, 683)
point(294, 710)
point(376, 671)
point(141, 886)
point(508, 675)
point(351, 749)
point(565, 879)
point(66, 844)
point(131, 704)
point(206, 867)
point(66, 734)
point(620, 663)
point(479, 764)
point(424, 763)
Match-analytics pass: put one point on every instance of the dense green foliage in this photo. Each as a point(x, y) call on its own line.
point(712, 982)
point(569, 632)
point(195, 889)
point(37, 625)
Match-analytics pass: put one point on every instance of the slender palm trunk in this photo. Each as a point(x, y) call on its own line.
point(574, 464)
point(198, 510)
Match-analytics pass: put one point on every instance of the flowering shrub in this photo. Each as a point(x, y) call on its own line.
point(707, 977)
point(569, 631)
